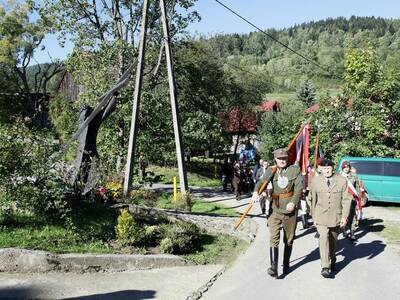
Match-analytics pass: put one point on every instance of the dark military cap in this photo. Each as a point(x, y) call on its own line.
point(325, 163)
point(280, 153)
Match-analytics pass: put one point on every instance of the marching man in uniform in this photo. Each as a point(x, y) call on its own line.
point(286, 191)
point(330, 205)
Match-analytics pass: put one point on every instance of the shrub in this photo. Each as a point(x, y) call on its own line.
point(143, 197)
point(166, 245)
point(151, 235)
point(32, 179)
point(181, 237)
point(127, 231)
point(184, 201)
point(114, 189)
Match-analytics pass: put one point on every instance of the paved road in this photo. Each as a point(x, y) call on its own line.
point(168, 283)
point(368, 269)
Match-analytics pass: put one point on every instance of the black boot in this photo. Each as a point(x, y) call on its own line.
point(352, 237)
point(273, 255)
point(304, 221)
point(286, 259)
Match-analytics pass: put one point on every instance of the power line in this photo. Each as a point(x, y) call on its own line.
point(279, 42)
point(235, 66)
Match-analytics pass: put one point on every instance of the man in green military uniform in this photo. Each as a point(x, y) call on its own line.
point(330, 204)
point(286, 192)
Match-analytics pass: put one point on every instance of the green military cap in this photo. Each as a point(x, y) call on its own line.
point(282, 152)
point(325, 163)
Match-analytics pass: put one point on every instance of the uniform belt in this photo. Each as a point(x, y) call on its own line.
point(282, 196)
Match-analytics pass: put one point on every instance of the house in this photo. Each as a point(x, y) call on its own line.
point(242, 125)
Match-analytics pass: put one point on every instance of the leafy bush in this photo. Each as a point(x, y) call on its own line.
point(127, 231)
point(32, 179)
point(181, 237)
point(184, 201)
point(114, 189)
point(143, 197)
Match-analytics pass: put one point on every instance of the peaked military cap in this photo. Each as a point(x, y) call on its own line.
point(325, 163)
point(282, 152)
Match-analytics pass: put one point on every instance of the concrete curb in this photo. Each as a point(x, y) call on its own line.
point(31, 261)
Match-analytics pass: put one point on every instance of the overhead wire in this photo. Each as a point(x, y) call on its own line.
point(278, 41)
point(237, 67)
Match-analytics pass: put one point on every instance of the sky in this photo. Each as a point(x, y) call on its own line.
point(263, 13)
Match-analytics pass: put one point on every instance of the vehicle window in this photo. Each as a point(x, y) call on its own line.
point(392, 168)
point(368, 167)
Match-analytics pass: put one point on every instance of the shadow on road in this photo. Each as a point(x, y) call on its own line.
point(35, 293)
point(119, 295)
point(349, 250)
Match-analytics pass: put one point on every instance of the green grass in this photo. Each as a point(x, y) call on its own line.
point(212, 208)
point(87, 231)
point(199, 176)
point(283, 97)
point(199, 206)
point(218, 249)
point(92, 229)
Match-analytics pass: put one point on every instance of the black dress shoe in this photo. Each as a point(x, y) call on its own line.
point(333, 267)
point(325, 272)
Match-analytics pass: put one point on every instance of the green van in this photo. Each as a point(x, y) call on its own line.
point(381, 176)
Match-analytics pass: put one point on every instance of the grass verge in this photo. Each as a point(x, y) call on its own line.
point(89, 230)
point(218, 249)
point(199, 176)
point(199, 206)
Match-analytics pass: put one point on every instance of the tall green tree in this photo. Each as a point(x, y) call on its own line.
point(306, 93)
point(21, 34)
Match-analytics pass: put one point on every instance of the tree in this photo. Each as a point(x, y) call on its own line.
point(20, 37)
point(306, 93)
point(278, 128)
point(104, 34)
point(363, 122)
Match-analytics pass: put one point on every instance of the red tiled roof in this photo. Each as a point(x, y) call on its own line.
point(270, 105)
point(312, 109)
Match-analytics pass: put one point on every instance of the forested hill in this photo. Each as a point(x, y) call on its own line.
point(322, 41)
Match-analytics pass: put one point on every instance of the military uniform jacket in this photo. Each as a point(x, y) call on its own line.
point(284, 181)
point(354, 181)
point(329, 204)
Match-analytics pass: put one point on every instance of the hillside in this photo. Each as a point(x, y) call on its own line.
point(323, 41)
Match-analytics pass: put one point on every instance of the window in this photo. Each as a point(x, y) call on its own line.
point(368, 167)
point(392, 168)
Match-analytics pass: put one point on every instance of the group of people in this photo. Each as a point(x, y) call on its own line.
point(241, 177)
point(332, 207)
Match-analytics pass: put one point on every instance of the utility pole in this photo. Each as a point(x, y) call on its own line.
point(174, 103)
point(136, 102)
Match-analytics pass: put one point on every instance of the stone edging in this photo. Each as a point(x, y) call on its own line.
point(31, 261)
point(212, 223)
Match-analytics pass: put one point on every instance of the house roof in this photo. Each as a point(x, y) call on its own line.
point(312, 109)
point(270, 105)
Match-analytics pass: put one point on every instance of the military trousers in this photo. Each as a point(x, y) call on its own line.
point(288, 222)
point(327, 244)
point(352, 215)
